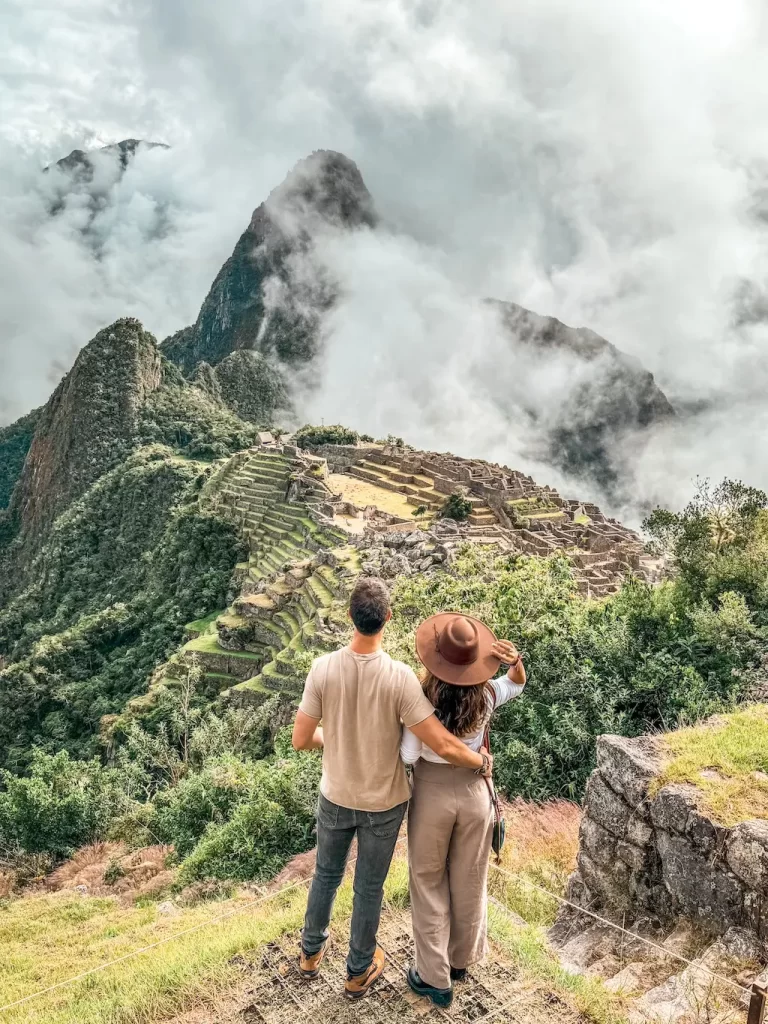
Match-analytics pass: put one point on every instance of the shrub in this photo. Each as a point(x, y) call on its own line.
point(311, 437)
point(183, 813)
point(649, 658)
point(456, 507)
point(60, 805)
point(272, 821)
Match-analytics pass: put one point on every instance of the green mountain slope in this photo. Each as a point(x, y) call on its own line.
point(15, 441)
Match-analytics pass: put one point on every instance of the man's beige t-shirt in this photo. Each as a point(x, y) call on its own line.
point(362, 700)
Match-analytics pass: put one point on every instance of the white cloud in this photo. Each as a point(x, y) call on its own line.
point(594, 161)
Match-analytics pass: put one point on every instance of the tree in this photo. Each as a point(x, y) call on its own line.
point(60, 805)
point(715, 524)
point(311, 437)
point(456, 507)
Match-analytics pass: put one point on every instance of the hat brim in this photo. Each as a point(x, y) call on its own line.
point(479, 671)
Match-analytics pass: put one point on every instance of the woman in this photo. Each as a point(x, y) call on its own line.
point(450, 819)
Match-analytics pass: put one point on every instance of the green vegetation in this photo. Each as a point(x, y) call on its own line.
point(139, 560)
point(48, 939)
point(649, 658)
point(311, 437)
point(121, 573)
point(189, 420)
point(727, 760)
point(59, 806)
point(15, 441)
point(273, 819)
point(251, 386)
point(456, 507)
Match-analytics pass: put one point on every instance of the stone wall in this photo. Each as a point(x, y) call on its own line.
point(656, 855)
point(341, 457)
point(603, 551)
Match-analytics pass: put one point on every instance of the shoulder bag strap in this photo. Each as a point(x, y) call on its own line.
point(489, 782)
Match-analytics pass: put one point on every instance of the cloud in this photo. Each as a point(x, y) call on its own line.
point(599, 162)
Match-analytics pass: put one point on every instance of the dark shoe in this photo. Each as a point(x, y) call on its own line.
point(458, 973)
point(439, 996)
point(356, 988)
point(309, 966)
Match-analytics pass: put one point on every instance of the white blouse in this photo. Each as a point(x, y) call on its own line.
point(411, 747)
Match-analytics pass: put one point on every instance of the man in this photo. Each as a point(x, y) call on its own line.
point(363, 698)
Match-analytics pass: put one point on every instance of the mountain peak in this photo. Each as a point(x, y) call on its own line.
point(80, 163)
point(254, 302)
point(89, 423)
point(328, 184)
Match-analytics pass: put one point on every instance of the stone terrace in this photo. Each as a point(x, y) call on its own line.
point(290, 593)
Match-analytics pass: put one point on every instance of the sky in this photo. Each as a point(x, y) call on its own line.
point(603, 163)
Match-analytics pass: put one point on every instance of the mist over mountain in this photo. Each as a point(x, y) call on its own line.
point(271, 293)
point(453, 295)
point(518, 158)
point(575, 395)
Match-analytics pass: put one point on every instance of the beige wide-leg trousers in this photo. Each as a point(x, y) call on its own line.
point(450, 829)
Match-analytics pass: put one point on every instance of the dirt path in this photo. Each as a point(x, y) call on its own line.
point(272, 992)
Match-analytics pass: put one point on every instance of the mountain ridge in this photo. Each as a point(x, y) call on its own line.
point(272, 294)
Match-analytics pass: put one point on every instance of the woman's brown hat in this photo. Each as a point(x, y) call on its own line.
point(457, 649)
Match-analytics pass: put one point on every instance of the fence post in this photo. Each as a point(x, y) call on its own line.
point(757, 1001)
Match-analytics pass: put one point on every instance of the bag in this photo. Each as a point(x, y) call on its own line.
point(499, 825)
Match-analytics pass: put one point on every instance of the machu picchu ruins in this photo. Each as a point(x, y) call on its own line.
point(307, 542)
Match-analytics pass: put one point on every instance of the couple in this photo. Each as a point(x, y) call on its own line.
point(376, 717)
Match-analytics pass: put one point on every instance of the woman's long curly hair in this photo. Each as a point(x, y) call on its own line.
point(461, 709)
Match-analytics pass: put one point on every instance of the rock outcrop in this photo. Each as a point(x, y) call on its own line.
point(654, 854)
point(273, 292)
point(90, 175)
point(81, 164)
point(248, 384)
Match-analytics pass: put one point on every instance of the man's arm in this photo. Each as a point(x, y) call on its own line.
point(306, 734)
point(432, 732)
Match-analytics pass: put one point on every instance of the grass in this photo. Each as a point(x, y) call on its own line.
point(208, 644)
point(541, 846)
point(527, 948)
point(363, 493)
point(727, 760)
point(48, 939)
point(202, 625)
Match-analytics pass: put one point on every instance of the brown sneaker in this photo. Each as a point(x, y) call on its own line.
point(356, 988)
point(309, 966)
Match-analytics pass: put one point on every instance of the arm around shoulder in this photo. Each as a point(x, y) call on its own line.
point(434, 734)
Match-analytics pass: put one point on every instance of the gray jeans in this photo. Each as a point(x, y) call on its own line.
point(377, 833)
